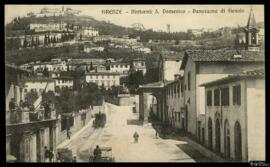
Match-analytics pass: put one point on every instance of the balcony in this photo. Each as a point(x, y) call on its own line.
point(18, 116)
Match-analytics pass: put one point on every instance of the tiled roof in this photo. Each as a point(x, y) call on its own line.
point(102, 73)
point(159, 84)
point(251, 20)
point(119, 63)
point(223, 55)
point(17, 68)
point(253, 74)
point(64, 78)
point(172, 55)
point(37, 79)
point(258, 72)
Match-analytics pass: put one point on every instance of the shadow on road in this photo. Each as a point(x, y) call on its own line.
point(195, 154)
point(134, 122)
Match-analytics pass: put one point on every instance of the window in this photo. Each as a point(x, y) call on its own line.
point(225, 96)
point(216, 97)
point(121, 66)
point(237, 95)
point(102, 76)
point(96, 77)
point(178, 90)
point(189, 80)
point(175, 87)
point(209, 98)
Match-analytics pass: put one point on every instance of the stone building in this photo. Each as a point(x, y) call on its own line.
point(202, 66)
point(107, 79)
point(235, 116)
point(64, 82)
point(174, 100)
point(138, 64)
point(27, 131)
point(119, 67)
point(169, 65)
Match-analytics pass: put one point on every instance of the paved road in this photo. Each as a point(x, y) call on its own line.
point(118, 132)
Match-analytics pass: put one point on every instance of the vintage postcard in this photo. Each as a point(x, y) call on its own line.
point(135, 83)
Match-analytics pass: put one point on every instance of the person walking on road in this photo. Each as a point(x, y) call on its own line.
point(97, 154)
point(68, 134)
point(136, 137)
point(47, 154)
point(51, 155)
point(74, 159)
point(156, 134)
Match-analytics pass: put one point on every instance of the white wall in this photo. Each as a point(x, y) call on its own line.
point(256, 120)
point(39, 85)
point(170, 68)
point(107, 78)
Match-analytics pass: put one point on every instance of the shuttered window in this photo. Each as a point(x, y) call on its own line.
point(216, 97)
point(225, 96)
point(209, 98)
point(237, 95)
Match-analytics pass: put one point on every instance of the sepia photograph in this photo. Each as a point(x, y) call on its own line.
point(135, 83)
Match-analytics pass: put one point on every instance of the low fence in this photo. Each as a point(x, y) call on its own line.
point(80, 120)
point(114, 101)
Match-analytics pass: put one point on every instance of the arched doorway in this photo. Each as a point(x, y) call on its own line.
point(227, 139)
point(210, 133)
point(217, 130)
point(237, 141)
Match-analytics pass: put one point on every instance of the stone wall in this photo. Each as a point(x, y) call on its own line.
point(78, 123)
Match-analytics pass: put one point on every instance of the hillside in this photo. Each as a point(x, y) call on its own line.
point(103, 27)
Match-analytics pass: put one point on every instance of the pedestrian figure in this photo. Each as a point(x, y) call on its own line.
point(157, 134)
point(58, 158)
point(47, 154)
point(51, 155)
point(74, 159)
point(136, 137)
point(68, 134)
point(97, 154)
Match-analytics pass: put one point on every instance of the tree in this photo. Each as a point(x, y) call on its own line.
point(32, 41)
point(31, 97)
point(54, 39)
point(91, 66)
point(25, 43)
point(45, 72)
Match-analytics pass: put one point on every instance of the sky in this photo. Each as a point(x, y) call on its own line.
point(178, 22)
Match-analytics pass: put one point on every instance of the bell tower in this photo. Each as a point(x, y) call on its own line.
point(252, 41)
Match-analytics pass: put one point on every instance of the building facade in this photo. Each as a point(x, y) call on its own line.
point(138, 64)
point(27, 132)
point(235, 116)
point(169, 65)
point(119, 67)
point(202, 66)
point(107, 79)
point(174, 100)
point(63, 82)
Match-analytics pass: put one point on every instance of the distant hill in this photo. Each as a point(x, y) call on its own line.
point(103, 27)
point(21, 24)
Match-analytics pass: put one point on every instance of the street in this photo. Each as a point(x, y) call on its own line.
point(118, 134)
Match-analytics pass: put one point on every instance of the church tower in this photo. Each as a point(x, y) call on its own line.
point(252, 41)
